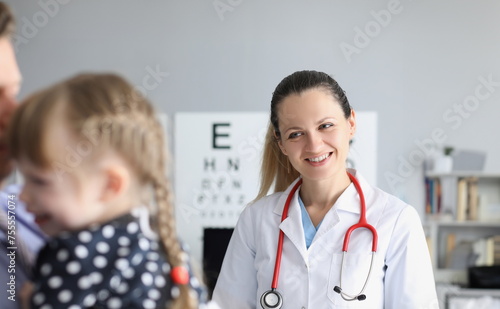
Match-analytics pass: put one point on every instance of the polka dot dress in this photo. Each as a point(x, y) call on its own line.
point(109, 266)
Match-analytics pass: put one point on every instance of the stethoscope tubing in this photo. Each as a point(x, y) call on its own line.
point(279, 252)
point(362, 223)
point(346, 296)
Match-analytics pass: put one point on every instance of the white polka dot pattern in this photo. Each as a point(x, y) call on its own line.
point(132, 227)
point(55, 282)
point(65, 296)
point(84, 283)
point(73, 267)
point(89, 300)
point(81, 252)
point(45, 269)
point(102, 247)
point(85, 236)
point(124, 241)
point(112, 266)
point(62, 255)
point(147, 279)
point(38, 298)
point(100, 261)
point(108, 231)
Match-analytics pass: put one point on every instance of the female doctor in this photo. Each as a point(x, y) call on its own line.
point(385, 263)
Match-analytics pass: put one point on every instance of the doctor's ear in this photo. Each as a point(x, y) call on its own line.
point(352, 123)
point(277, 138)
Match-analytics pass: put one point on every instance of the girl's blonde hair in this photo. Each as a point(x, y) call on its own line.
point(105, 112)
point(276, 168)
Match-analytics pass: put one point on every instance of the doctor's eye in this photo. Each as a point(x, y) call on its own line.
point(326, 125)
point(294, 135)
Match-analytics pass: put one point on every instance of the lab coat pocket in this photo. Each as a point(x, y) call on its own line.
point(354, 274)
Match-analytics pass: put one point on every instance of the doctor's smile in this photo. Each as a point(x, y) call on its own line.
point(320, 158)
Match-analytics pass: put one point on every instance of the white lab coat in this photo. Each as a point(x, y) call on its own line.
point(401, 278)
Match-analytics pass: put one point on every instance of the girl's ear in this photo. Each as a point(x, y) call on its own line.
point(116, 182)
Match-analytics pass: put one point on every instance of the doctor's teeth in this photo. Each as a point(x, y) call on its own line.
point(318, 159)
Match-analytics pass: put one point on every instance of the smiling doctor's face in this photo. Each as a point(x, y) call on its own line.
point(315, 134)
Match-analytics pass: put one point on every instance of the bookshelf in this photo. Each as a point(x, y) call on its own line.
point(462, 218)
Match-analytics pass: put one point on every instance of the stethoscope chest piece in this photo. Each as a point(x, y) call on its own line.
point(271, 300)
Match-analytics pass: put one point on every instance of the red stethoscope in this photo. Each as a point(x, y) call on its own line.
point(272, 299)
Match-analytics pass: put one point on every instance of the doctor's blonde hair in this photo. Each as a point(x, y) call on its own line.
point(106, 111)
point(276, 168)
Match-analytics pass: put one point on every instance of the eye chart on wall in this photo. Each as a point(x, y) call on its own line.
point(217, 160)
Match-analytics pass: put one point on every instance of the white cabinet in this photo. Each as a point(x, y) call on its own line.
point(454, 297)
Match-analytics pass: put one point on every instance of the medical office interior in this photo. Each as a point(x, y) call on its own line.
point(424, 77)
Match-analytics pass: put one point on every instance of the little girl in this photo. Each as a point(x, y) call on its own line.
point(91, 151)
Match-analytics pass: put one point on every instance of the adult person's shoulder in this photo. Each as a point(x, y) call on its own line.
point(25, 221)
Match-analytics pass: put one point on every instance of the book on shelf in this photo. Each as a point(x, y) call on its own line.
point(467, 199)
point(496, 250)
point(461, 200)
point(459, 197)
point(450, 246)
point(473, 197)
point(433, 195)
point(486, 251)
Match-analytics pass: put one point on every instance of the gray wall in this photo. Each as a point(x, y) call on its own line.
point(417, 63)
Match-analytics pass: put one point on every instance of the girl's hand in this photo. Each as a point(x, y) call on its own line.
point(25, 295)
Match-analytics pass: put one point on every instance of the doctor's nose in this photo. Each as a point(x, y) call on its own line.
point(314, 142)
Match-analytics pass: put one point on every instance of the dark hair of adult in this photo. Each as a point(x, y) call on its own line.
point(7, 22)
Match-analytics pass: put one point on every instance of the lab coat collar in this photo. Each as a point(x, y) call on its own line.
point(344, 202)
point(278, 208)
point(349, 199)
point(292, 225)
